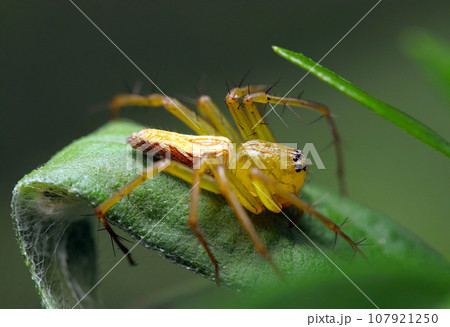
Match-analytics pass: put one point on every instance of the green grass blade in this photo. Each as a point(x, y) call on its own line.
point(50, 205)
point(397, 117)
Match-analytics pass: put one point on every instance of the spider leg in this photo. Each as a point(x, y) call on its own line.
point(241, 215)
point(219, 121)
point(193, 214)
point(256, 174)
point(175, 107)
point(266, 98)
point(186, 173)
point(256, 120)
point(240, 118)
point(172, 167)
point(103, 207)
point(245, 198)
point(265, 195)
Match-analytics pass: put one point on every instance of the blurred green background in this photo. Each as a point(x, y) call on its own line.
point(58, 72)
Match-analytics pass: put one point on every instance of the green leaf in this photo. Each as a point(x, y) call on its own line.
point(387, 285)
point(57, 240)
point(397, 117)
point(431, 54)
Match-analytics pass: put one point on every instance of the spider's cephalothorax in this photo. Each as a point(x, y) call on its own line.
point(282, 164)
point(250, 170)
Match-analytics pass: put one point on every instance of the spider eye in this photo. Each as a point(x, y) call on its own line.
point(297, 155)
point(300, 167)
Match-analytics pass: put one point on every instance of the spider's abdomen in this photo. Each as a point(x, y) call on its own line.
point(182, 148)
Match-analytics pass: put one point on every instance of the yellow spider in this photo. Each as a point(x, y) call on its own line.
point(259, 174)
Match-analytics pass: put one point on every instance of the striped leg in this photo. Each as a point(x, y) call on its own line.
point(197, 124)
point(250, 99)
point(257, 175)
